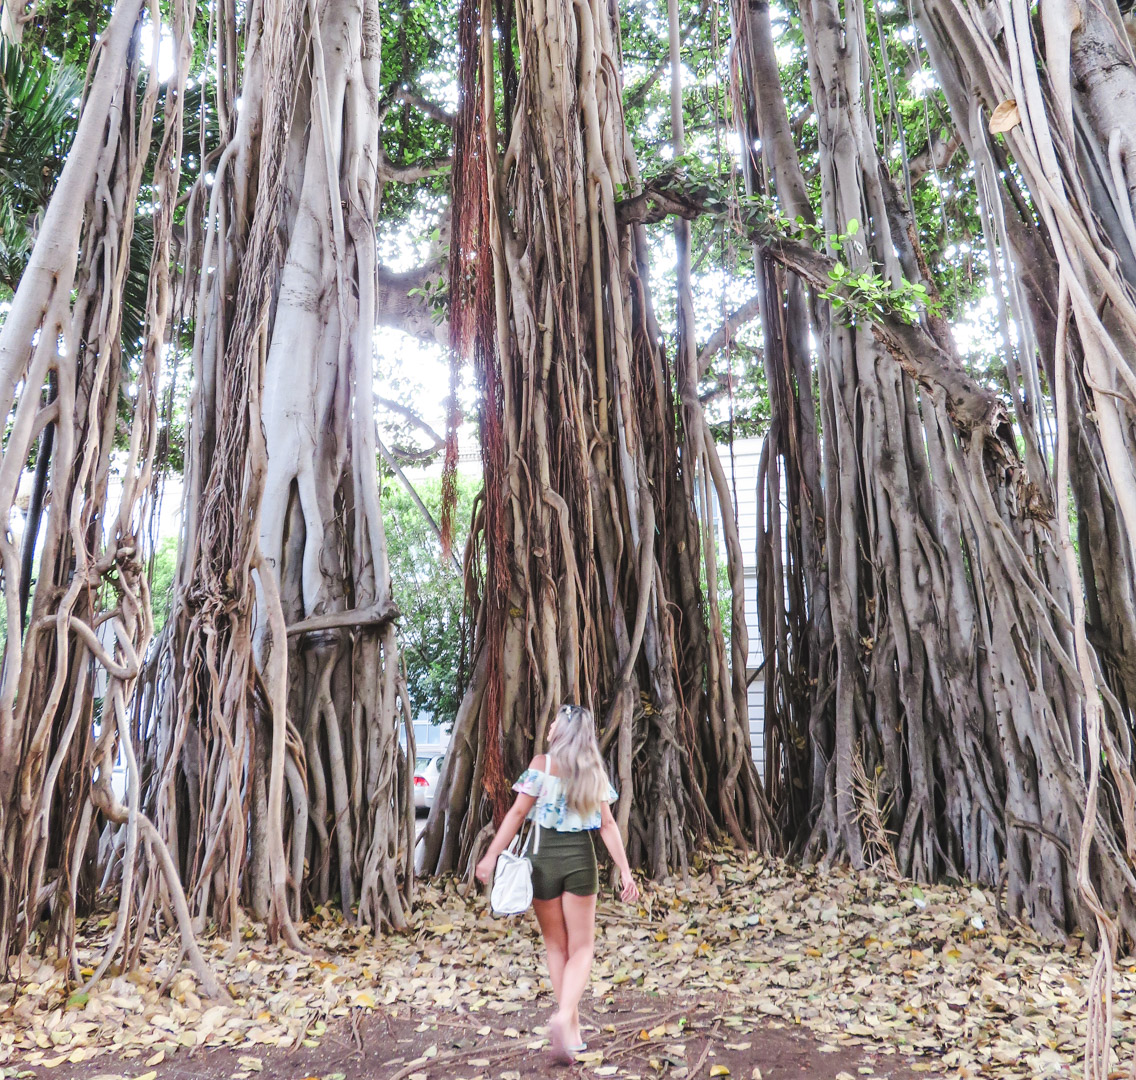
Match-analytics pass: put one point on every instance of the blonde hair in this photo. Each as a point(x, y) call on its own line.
point(574, 748)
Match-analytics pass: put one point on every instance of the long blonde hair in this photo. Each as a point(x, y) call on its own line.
point(576, 752)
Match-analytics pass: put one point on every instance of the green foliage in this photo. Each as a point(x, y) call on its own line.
point(419, 60)
point(429, 592)
point(163, 569)
point(66, 30)
point(37, 121)
point(867, 294)
point(436, 294)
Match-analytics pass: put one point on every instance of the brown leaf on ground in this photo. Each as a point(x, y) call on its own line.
point(858, 961)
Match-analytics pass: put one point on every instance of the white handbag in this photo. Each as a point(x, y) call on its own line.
point(512, 890)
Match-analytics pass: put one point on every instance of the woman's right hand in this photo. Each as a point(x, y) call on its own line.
point(629, 891)
point(484, 870)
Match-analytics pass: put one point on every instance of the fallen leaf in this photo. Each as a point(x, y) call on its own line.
point(1005, 117)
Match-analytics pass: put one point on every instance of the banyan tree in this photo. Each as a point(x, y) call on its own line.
point(946, 556)
point(948, 654)
point(260, 732)
point(600, 474)
point(276, 702)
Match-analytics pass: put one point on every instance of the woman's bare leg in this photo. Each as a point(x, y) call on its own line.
point(580, 920)
point(550, 915)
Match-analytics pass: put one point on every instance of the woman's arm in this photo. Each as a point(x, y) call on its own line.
point(609, 834)
point(513, 821)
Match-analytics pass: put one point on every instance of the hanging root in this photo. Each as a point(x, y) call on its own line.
point(879, 855)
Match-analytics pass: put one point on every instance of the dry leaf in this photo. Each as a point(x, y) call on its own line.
point(1005, 117)
point(888, 972)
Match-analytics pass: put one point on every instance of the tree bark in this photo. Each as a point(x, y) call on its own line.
point(281, 687)
point(593, 524)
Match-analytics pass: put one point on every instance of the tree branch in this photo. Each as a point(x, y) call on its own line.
point(388, 172)
point(388, 457)
point(721, 337)
point(435, 112)
point(397, 407)
point(936, 156)
point(971, 405)
point(379, 615)
point(412, 314)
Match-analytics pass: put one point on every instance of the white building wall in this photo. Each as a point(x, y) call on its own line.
point(741, 463)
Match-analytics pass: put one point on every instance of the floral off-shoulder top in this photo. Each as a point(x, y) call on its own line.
point(550, 810)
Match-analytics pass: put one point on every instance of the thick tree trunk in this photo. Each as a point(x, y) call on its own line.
point(90, 619)
point(279, 776)
point(945, 555)
point(1075, 150)
point(941, 551)
point(593, 522)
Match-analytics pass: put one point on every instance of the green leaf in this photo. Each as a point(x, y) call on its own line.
point(853, 226)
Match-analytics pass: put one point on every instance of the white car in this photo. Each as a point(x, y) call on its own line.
point(427, 770)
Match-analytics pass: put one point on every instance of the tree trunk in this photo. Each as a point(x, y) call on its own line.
point(593, 523)
point(90, 619)
point(968, 671)
point(278, 772)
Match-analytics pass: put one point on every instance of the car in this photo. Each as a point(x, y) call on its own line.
point(427, 770)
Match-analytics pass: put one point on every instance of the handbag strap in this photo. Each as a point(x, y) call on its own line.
point(533, 828)
point(536, 824)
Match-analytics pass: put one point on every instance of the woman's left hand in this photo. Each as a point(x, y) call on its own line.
point(629, 892)
point(484, 870)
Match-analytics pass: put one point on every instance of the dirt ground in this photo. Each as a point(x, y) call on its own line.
point(637, 1036)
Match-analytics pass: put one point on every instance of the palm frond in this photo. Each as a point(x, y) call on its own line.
point(38, 113)
point(16, 242)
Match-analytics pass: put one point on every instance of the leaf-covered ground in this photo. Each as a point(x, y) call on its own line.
point(852, 976)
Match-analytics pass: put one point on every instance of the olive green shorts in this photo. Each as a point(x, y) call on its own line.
point(564, 862)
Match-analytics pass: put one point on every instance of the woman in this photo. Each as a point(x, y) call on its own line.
point(567, 796)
